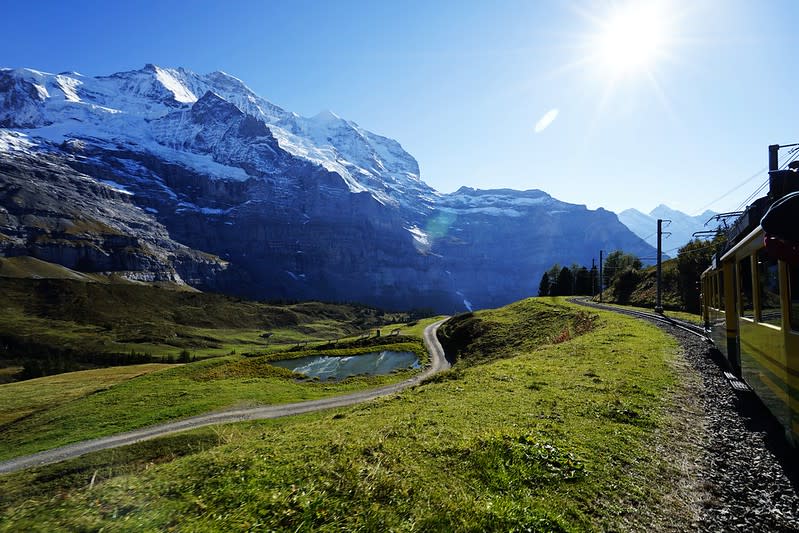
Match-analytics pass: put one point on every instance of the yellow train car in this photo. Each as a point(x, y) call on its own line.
point(751, 311)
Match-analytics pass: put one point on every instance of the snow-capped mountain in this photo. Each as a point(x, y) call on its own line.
point(211, 183)
point(680, 225)
point(158, 109)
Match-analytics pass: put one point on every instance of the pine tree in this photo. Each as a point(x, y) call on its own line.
point(565, 282)
point(543, 287)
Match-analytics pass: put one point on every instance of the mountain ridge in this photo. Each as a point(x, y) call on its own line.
point(680, 225)
point(294, 207)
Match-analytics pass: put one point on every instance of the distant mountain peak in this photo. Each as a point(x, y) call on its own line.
point(681, 226)
point(326, 116)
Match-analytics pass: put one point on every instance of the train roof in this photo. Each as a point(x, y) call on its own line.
point(781, 182)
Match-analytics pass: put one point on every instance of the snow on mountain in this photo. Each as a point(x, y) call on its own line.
point(152, 109)
point(680, 225)
point(238, 195)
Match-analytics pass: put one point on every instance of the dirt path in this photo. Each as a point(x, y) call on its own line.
point(437, 363)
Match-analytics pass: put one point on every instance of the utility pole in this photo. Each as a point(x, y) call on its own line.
point(601, 283)
point(593, 277)
point(658, 304)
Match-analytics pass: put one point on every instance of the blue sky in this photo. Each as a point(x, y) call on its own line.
point(463, 84)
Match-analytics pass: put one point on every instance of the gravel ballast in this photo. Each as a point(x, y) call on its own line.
point(747, 474)
point(749, 470)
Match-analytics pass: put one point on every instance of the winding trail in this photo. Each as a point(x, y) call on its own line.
point(438, 362)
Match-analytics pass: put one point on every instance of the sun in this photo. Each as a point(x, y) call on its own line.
point(631, 38)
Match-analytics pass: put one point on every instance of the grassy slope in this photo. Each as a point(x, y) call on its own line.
point(21, 400)
point(64, 316)
point(645, 292)
point(644, 295)
point(548, 437)
point(48, 412)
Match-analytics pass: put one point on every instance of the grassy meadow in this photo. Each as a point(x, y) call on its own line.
point(44, 413)
point(50, 325)
point(553, 419)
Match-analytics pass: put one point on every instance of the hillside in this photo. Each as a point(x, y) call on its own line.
point(639, 288)
point(547, 432)
point(55, 320)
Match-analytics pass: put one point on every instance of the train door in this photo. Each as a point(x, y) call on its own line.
point(730, 297)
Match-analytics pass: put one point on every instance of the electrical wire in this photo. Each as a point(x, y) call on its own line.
point(786, 159)
point(726, 194)
point(752, 196)
point(713, 245)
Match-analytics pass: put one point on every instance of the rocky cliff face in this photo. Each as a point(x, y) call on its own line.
point(51, 212)
point(166, 174)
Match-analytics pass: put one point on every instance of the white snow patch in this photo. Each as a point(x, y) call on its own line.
point(116, 187)
point(151, 210)
point(295, 277)
point(466, 302)
point(41, 91)
point(212, 211)
point(69, 87)
point(421, 240)
point(181, 92)
point(491, 211)
point(14, 141)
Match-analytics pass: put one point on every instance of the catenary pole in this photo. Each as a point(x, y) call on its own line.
point(658, 304)
point(601, 281)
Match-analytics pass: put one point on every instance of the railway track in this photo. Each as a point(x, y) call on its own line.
point(693, 329)
point(699, 331)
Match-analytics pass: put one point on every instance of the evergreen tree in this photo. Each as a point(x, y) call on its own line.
point(543, 287)
point(564, 285)
point(617, 262)
point(582, 281)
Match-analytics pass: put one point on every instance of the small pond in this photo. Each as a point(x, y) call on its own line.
point(324, 367)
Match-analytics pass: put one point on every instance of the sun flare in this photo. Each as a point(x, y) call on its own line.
point(632, 38)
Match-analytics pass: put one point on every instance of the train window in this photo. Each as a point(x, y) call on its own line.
point(712, 285)
point(745, 277)
point(793, 283)
point(768, 283)
point(721, 289)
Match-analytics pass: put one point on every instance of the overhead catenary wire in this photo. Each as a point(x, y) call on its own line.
point(786, 159)
point(694, 250)
point(729, 192)
point(760, 172)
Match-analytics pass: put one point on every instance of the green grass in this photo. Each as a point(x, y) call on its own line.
point(548, 422)
point(74, 324)
point(83, 405)
point(22, 399)
point(679, 315)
